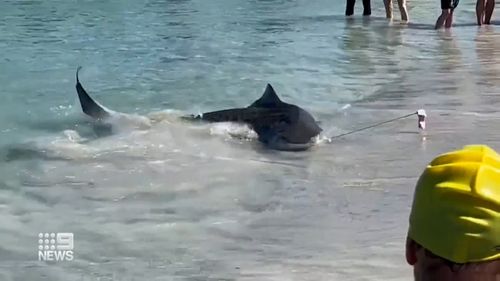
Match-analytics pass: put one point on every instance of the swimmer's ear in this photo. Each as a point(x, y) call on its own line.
point(411, 251)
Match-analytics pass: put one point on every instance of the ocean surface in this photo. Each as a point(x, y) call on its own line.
point(180, 201)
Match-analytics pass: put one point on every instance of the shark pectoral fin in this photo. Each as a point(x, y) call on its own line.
point(191, 117)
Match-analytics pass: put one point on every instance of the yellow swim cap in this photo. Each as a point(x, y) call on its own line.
point(456, 206)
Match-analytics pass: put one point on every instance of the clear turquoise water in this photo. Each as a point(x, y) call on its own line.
point(182, 202)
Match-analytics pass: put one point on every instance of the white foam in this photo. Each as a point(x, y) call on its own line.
point(122, 121)
point(234, 130)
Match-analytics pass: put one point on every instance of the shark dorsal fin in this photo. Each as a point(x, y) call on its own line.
point(269, 98)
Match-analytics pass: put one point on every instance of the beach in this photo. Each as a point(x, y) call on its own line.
point(180, 201)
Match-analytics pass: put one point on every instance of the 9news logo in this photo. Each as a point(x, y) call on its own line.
point(55, 246)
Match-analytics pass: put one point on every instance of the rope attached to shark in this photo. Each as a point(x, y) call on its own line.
point(421, 123)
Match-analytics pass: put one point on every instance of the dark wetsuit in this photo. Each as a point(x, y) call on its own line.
point(449, 4)
point(349, 10)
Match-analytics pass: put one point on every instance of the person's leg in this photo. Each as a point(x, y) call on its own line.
point(442, 18)
point(490, 6)
point(480, 11)
point(449, 20)
point(403, 10)
point(349, 8)
point(367, 9)
point(388, 8)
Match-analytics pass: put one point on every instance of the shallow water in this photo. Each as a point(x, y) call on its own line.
point(178, 201)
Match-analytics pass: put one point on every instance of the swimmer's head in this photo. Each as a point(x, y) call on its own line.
point(455, 215)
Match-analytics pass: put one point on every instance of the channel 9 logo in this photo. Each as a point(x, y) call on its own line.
point(55, 246)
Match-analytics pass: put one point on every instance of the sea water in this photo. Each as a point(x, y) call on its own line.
point(171, 200)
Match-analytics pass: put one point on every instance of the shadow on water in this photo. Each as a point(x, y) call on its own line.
point(275, 25)
point(381, 22)
point(171, 7)
point(338, 18)
point(266, 4)
point(410, 25)
point(25, 152)
point(450, 56)
point(85, 128)
point(388, 37)
point(386, 76)
point(26, 3)
point(356, 42)
point(487, 42)
point(426, 26)
point(30, 150)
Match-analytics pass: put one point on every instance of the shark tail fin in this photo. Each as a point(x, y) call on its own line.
point(89, 106)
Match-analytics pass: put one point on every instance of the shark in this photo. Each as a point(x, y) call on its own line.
point(278, 125)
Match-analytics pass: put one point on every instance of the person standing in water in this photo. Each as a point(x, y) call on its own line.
point(446, 17)
point(454, 225)
point(349, 10)
point(484, 11)
point(402, 9)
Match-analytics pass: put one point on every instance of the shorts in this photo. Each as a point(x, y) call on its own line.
point(449, 4)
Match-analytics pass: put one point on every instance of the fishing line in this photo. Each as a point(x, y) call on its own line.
point(421, 123)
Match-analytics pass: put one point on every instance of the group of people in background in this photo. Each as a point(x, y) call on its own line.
point(484, 11)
